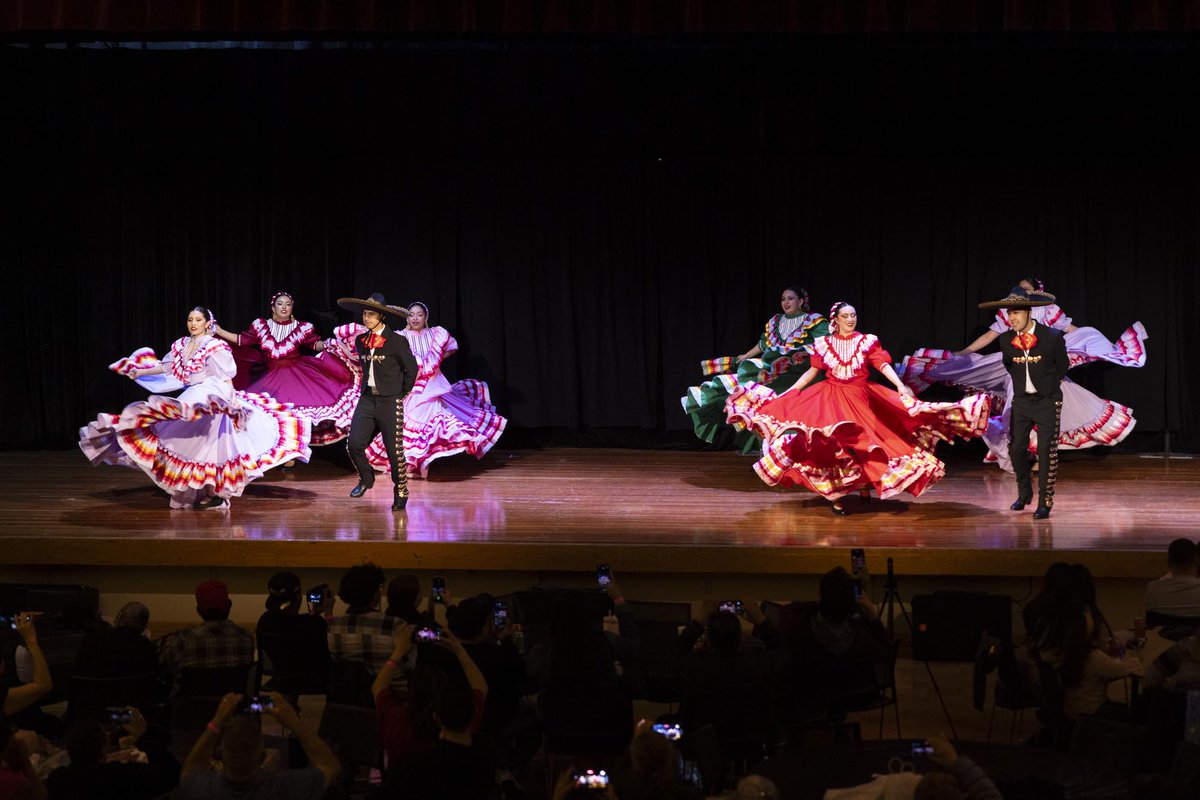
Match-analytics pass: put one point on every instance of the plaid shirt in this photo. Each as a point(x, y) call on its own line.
point(212, 644)
point(363, 637)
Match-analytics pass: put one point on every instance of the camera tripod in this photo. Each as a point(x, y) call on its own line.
point(892, 599)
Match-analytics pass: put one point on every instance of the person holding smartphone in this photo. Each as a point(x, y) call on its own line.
point(295, 641)
point(142, 766)
point(965, 777)
point(18, 698)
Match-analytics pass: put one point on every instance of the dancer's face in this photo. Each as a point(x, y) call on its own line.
point(789, 301)
point(197, 324)
point(416, 318)
point(1018, 319)
point(281, 309)
point(847, 320)
point(1027, 286)
point(371, 319)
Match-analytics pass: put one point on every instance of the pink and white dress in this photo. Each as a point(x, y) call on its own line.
point(210, 436)
point(322, 387)
point(441, 418)
point(1087, 419)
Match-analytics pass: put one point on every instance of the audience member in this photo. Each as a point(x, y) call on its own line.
point(1050, 583)
point(1068, 637)
point(124, 649)
point(653, 772)
point(581, 649)
point(362, 634)
point(402, 594)
point(1178, 667)
point(754, 787)
point(833, 655)
point(98, 773)
point(296, 644)
point(497, 658)
point(716, 654)
point(242, 774)
point(18, 779)
point(60, 635)
point(1177, 593)
point(214, 643)
point(454, 768)
point(965, 780)
point(408, 726)
point(19, 698)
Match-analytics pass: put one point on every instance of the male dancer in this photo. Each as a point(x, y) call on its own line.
point(389, 372)
point(1036, 360)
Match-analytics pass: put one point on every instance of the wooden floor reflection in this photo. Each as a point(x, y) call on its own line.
point(668, 511)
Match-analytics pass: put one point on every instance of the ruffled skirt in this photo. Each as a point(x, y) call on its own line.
point(705, 403)
point(837, 438)
point(443, 419)
point(320, 388)
point(205, 442)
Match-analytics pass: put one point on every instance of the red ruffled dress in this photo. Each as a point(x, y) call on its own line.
point(846, 433)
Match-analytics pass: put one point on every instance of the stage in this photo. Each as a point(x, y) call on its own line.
point(643, 511)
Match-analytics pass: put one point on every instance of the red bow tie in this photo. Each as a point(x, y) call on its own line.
point(1024, 341)
point(375, 340)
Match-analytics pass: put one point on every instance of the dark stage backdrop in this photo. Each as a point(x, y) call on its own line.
point(592, 219)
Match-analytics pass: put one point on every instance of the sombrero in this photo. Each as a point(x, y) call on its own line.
point(1020, 298)
point(373, 303)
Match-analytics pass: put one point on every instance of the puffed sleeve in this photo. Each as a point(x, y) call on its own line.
point(1055, 317)
point(1000, 324)
point(221, 363)
point(816, 362)
point(877, 357)
point(311, 337)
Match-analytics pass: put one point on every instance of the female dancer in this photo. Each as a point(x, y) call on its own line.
point(322, 388)
point(440, 418)
point(1087, 420)
point(208, 444)
point(847, 434)
point(777, 360)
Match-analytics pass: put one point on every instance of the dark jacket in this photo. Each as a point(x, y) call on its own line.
point(1048, 361)
point(395, 367)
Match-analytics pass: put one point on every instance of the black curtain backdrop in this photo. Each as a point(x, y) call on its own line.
point(591, 220)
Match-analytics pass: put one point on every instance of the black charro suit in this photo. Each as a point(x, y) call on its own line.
point(1047, 362)
point(381, 410)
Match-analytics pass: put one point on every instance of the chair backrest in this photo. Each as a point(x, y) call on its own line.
point(1118, 745)
point(354, 732)
point(90, 698)
point(213, 681)
point(740, 715)
point(1155, 619)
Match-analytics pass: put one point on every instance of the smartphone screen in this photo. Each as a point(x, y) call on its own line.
point(732, 606)
point(603, 575)
point(592, 779)
point(922, 747)
point(120, 714)
point(426, 635)
point(672, 732)
point(499, 615)
point(439, 589)
point(316, 597)
point(256, 704)
point(857, 590)
point(858, 560)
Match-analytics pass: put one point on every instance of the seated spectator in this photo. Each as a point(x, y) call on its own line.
point(1177, 593)
point(402, 594)
point(653, 772)
point(60, 635)
point(242, 773)
point(408, 725)
point(124, 649)
point(1068, 637)
point(1050, 583)
point(19, 698)
point(965, 780)
point(18, 779)
point(754, 787)
point(716, 654)
point(97, 773)
point(454, 768)
point(362, 634)
point(581, 649)
point(833, 655)
point(495, 655)
point(213, 644)
point(303, 646)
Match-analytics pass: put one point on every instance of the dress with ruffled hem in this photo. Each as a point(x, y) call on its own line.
point(211, 440)
point(1088, 420)
point(784, 359)
point(441, 418)
point(322, 387)
point(847, 434)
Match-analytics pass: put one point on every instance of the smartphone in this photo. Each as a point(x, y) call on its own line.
point(603, 575)
point(592, 779)
point(426, 635)
point(316, 596)
point(672, 732)
point(120, 715)
point(732, 606)
point(499, 615)
point(256, 704)
point(857, 589)
point(10, 620)
point(439, 589)
point(858, 561)
point(921, 747)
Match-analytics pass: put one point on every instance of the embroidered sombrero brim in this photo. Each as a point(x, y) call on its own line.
point(370, 304)
point(1028, 300)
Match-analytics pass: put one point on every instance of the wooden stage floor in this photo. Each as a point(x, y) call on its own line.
point(645, 511)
